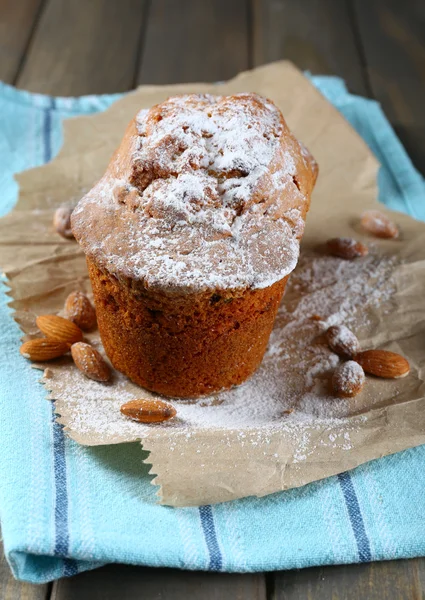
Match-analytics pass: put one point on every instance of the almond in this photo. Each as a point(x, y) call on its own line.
point(80, 311)
point(346, 248)
point(62, 221)
point(383, 363)
point(58, 328)
point(288, 411)
point(348, 379)
point(42, 349)
point(90, 362)
point(342, 341)
point(148, 411)
point(379, 224)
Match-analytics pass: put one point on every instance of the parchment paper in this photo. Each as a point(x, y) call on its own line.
point(213, 465)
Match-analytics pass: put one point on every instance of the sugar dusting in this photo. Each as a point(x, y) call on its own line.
point(209, 200)
point(348, 378)
point(289, 393)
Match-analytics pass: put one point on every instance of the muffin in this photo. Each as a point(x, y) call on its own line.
point(190, 237)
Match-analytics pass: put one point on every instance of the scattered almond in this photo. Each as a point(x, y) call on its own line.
point(316, 317)
point(348, 379)
point(383, 363)
point(346, 248)
point(379, 224)
point(62, 221)
point(288, 411)
point(42, 349)
point(80, 311)
point(342, 341)
point(90, 362)
point(148, 411)
point(58, 328)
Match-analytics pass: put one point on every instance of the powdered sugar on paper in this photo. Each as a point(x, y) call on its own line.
point(289, 393)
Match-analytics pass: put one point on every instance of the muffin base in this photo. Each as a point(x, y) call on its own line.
point(183, 346)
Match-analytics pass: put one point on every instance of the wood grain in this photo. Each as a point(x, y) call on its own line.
point(390, 580)
point(120, 582)
point(17, 20)
point(84, 47)
point(316, 35)
point(392, 34)
point(189, 40)
point(10, 589)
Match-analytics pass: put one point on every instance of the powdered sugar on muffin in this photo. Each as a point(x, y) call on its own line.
point(204, 193)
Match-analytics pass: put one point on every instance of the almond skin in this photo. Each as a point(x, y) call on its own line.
point(346, 248)
point(62, 221)
point(379, 225)
point(58, 328)
point(383, 363)
point(342, 341)
point(80, 311)
point(148, 411)
point(42, 349)
point(90, 362)
point(348, 379)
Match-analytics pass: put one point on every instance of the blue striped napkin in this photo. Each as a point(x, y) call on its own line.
point(66, 508)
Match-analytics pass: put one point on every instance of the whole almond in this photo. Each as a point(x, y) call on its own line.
point(148, 411)
point(342, 341)
point(348, 379)
point(58, 328)
point(346, 248)
point(62, 221)
point(90, 362)
point(379, 225)
point(80, 311)
point(383, 363)
point(42, 349)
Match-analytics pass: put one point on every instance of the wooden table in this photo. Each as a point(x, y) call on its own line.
point(74, 47)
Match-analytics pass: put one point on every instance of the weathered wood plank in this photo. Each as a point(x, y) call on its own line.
point(392, 34)
point(17, 20)
point(390, 580)
point(10, 589)
point(123, 582)
point(188, 40)
point(83, 47)
point(316, 35)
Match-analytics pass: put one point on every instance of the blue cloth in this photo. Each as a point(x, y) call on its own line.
point(66, 508)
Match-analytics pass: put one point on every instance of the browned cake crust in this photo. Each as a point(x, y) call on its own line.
point(190, 237)
point(183, 347)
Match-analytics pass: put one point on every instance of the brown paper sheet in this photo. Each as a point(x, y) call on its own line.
point(200, 464)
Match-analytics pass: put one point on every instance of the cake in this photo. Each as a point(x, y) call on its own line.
point(190, 237)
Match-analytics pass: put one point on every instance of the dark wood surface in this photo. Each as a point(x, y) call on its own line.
point(73, 47)
point(84, 47)
point(121, 582)
point(317, 35)
point(17, 22)
point(391, 580)
point(188, 40)
point(392, 37)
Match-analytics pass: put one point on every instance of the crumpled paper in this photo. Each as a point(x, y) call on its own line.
point(198, 464)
